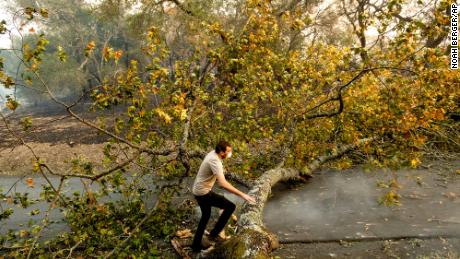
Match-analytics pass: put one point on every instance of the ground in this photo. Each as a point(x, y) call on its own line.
point(339, 214)
point(407, 248)
point(55, 138)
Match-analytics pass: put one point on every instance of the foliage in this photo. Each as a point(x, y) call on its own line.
point(96, 226)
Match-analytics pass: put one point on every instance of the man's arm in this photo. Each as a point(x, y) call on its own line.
point(229, 187)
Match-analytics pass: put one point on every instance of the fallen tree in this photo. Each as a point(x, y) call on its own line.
point(253, 239)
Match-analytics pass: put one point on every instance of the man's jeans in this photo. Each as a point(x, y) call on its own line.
point(206, 201)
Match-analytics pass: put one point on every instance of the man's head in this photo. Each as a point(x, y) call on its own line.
point(223, 149)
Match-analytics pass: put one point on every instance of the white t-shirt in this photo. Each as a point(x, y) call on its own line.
point(206, 177)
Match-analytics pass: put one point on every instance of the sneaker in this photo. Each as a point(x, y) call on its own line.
point(205, 244)
point(222, 235)
point(217, 239)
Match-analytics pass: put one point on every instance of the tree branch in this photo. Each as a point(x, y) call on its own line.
point(342, 88)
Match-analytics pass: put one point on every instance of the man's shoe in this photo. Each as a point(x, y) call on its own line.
point(217, 239)
point(205, 244)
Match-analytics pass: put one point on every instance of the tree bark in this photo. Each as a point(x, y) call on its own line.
point(253, 239)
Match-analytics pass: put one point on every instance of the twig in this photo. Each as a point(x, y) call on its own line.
point(73, 248)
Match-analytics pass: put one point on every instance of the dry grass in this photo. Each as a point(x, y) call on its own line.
point(19, 160)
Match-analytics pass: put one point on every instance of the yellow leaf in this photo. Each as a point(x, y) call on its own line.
point(36, 167)
point(107, 52)
point(23, 233)
point(166, 118)
point(12, 104)
point(298, 24)
point(391, 198)
point(183, 114)
point(91, 45)
point(414, 162)
point(89, 48)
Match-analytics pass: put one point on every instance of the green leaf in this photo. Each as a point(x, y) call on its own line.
point(34, 212)
point(6, 213)
point(62, 55)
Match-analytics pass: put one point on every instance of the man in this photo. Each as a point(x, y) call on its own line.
point(211, 169)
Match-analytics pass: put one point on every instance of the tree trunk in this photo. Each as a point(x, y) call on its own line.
point(253, 239)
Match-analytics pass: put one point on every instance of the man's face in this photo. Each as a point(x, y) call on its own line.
point(224, 155)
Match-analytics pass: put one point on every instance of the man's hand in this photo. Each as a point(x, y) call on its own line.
point(223, 182)
point(248, 198)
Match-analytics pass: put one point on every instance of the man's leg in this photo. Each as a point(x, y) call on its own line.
point(228, 207)
point(222, 233)
point(205, 207)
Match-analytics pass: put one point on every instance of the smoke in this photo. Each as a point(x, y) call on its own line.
point(345, 204)
point(330, 199)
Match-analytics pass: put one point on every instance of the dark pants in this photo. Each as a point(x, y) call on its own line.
point(212, 199)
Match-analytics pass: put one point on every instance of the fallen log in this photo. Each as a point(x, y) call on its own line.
point(253, 239)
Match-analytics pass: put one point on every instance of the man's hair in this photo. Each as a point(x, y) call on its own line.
point(222, 146)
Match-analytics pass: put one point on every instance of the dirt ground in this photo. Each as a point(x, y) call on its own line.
point(56, 139)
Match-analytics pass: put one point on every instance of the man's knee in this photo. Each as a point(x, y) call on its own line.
point(231, 206)
point(205, 214)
